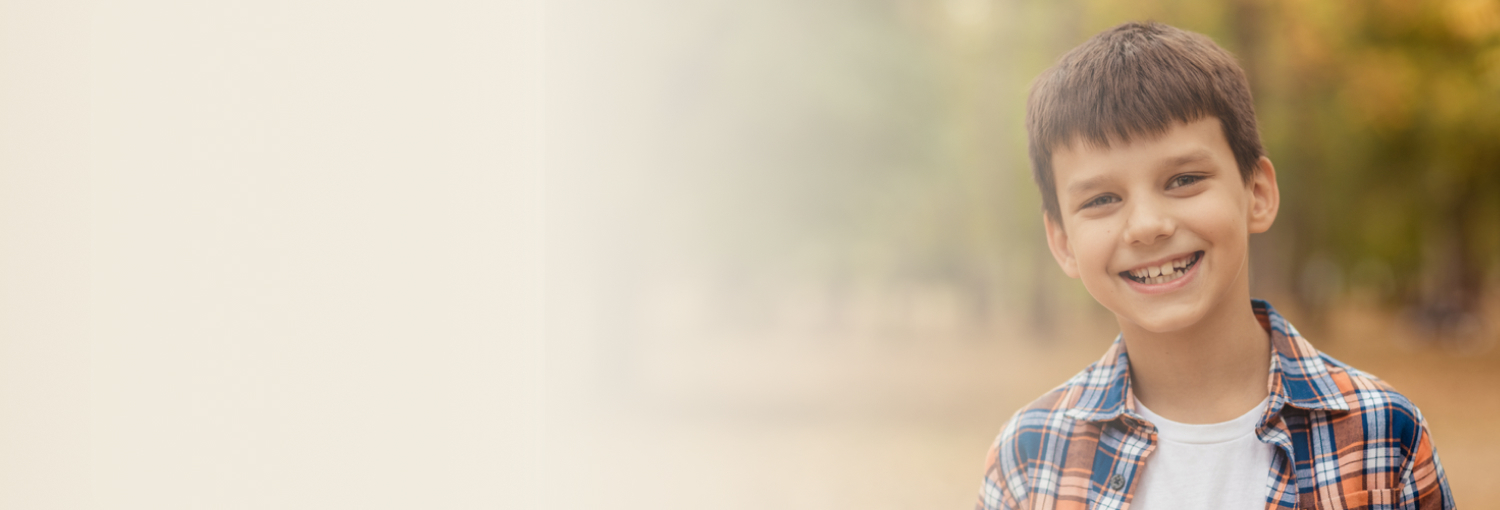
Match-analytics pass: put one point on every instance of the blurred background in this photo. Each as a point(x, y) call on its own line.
point(658, 254)
point(795, 256)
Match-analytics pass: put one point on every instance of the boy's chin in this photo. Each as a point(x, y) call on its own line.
point(1161, 319)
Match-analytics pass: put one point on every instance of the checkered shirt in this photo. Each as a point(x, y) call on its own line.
point(1344, 439)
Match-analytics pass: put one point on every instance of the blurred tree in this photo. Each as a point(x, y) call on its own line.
point(1396, 150)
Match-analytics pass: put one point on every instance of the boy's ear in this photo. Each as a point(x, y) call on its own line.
point(1265, 198)
point(1057, 241)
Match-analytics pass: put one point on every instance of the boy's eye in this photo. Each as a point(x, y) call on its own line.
point(1100, 200)
point(1183, 180)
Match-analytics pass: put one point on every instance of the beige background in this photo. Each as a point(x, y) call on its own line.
point(269, 254)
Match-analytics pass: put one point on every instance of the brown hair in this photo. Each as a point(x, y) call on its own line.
point(1134, 80)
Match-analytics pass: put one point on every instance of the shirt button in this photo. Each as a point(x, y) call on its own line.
point(1116, 482)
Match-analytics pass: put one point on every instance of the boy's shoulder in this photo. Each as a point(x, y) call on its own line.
point(1311, 381)
point(1365, 395)
point(1362, 390)
point(1053, 417)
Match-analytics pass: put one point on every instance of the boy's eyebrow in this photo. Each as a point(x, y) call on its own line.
point(1191, 157)
point(1087, 184)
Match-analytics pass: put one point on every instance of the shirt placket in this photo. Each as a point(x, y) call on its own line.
point(1135, 446)
point(1283, 470)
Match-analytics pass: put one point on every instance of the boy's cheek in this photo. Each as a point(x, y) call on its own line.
point(1219, 222)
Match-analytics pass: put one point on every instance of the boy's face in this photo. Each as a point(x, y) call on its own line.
point(1176, 201)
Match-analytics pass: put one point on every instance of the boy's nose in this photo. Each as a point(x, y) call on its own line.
point(1147, 224)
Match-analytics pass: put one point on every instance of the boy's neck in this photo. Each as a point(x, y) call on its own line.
point(1211, 372)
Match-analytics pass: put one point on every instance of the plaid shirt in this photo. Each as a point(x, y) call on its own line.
point(1344, 439)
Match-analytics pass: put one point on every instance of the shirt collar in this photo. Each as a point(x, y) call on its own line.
point(1299, 376)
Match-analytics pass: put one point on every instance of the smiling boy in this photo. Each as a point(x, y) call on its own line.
point(1143, 142)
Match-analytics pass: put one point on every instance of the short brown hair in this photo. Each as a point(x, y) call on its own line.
point(1134, 80)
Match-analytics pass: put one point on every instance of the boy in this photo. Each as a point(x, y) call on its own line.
point(1144, 145)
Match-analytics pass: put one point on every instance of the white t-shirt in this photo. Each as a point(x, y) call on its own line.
point(1219, 465)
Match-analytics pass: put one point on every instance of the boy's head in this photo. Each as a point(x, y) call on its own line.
point(1132, 81)
point(1144, 145)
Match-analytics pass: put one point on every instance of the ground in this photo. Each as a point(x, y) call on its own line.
point(893, 424)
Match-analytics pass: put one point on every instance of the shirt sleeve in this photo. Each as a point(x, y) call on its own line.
point(1423, 484)
point(1004, 486)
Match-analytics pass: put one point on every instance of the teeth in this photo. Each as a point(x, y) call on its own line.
point(1166, 272)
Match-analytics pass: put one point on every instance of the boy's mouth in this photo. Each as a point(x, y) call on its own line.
point(1164, 273)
